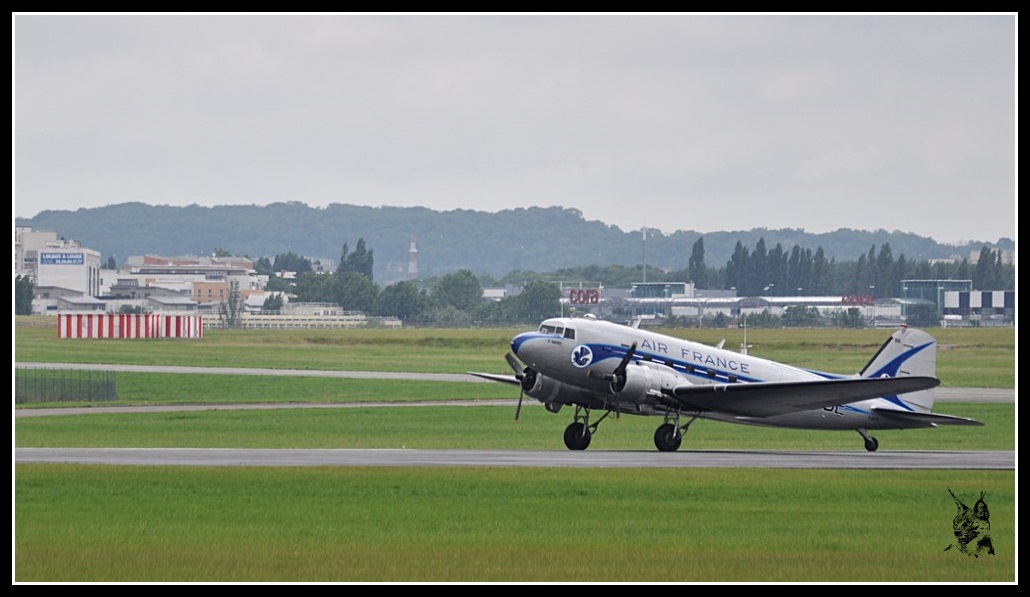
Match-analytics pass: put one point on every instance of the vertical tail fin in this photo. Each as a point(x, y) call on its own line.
point(907, 352)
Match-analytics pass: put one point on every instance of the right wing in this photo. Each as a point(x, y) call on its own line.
point(495, 377)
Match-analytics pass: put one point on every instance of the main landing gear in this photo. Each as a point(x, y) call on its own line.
point(871, 443)
point(669, 435)
point(579, 432)
point(667, 438)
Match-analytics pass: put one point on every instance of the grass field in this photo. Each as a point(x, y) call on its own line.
point(77, 523)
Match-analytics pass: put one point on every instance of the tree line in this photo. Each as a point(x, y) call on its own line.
point(456, 299)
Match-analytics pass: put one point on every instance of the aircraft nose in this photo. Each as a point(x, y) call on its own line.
point(518, 341)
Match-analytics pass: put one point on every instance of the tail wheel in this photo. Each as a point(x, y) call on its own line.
point(577, 436)
point(667, 438)
point(872, 444)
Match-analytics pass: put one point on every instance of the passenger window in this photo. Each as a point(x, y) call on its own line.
point(570, 333)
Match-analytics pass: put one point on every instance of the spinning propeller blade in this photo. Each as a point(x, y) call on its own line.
point(521, 376)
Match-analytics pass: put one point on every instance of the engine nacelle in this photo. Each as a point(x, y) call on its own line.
point(546, 389)
point(647, 381)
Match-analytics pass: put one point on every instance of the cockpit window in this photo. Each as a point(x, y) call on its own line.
point(570, 333)
point(554, 329)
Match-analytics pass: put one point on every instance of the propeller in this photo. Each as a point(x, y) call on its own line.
point(618, 376)
point(526, 377)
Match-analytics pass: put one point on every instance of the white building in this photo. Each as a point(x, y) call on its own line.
point(67, 265)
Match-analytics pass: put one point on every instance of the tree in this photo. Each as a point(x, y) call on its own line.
point(230, 310)
point(354, 291)
point(264, 267)
point(922, 315)
point(460, 290)
point(765, 319)
point(737, 269)
point(273, 302)
point(24, 289)
point(852, 318)
point(449, 317)
point(696, 267)
point(402, 300)
point(360, 261)
point(797, 316)
point(538, 300)
point(111, 263)
point(316, 288)
point(291, 262)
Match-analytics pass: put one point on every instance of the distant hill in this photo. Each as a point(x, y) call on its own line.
point(541, 239)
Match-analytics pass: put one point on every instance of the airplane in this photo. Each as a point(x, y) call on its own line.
point(593, 364)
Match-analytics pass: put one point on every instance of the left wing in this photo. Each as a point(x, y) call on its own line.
point(767, 399)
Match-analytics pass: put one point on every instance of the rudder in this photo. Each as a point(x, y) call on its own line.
point(907, 352)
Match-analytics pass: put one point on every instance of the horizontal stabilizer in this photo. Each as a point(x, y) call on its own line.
point(767, 399)
point(495, 377)
point(923, 419)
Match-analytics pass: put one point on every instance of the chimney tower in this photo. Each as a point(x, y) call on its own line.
point(412, 260)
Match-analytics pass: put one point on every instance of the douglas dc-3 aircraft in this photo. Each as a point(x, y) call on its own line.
point(593, 364)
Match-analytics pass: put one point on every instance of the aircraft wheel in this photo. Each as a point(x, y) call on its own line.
point(666, 439)
point(577, 437)
point(872, 444)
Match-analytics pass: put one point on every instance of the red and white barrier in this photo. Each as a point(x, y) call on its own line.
point(128, 325)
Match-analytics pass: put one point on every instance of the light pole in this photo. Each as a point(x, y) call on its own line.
point(872, 302)
point(643, 234)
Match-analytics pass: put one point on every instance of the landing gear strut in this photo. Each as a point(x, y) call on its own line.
point(871, 443)
point(579, 432)
point(669, 435)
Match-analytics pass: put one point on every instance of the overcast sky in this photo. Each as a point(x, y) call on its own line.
point(674, 122)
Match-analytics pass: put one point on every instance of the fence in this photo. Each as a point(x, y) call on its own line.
point(63, 385)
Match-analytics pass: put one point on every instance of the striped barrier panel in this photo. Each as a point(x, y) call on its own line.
point(129, 325)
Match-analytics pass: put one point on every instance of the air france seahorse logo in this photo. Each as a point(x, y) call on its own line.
point(582, 356)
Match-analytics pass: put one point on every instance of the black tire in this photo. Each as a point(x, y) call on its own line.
point(872, 444)
point(577, 436)
point(667, 438)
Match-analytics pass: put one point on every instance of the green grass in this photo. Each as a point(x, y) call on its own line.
point(175, 388)
point(81, 523)
point(198, 524)
point(476, 427)
point(970, 357)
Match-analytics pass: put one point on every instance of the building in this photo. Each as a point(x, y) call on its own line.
point(930, 290)
point(981, 306)
point(27, 245)
point(67, 265)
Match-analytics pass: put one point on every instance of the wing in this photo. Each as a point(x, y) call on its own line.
point(923, 419)
point(495, 377)
point(766, 399)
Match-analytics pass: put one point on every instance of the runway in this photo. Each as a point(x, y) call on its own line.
point(880, 460)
